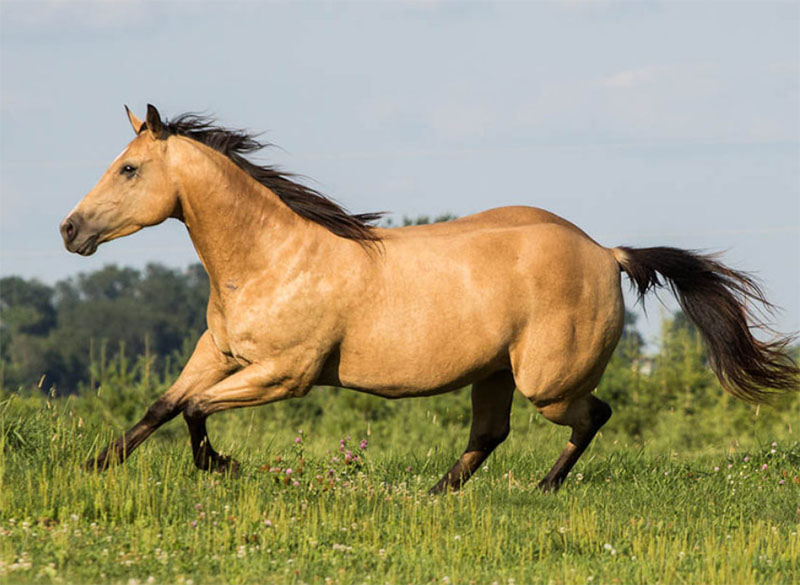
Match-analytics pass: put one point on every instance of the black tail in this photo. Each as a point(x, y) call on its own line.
point(719, 302)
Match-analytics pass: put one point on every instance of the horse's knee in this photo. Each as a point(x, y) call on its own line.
point(194, 411)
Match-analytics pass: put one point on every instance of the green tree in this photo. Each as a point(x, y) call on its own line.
point(27, 315)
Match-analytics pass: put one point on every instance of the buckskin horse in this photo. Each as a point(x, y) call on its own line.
point(304, 293)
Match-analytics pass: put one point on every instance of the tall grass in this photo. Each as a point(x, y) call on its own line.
point(703, 491)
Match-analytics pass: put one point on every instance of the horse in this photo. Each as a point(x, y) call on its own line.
point(305, 294)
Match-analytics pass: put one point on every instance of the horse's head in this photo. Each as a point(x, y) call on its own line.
point(135, 192)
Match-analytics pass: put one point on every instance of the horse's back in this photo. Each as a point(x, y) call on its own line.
point(498, 217)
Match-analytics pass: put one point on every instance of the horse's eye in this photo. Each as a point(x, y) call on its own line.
point(128, 170)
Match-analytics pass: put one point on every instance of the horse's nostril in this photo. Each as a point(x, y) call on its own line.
point(69, 230)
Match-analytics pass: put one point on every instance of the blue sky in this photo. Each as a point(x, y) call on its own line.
point(644, 123)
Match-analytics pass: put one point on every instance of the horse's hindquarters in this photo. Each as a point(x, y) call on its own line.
point(563, 351)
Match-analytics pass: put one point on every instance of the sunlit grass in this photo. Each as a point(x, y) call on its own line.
point(642, 512)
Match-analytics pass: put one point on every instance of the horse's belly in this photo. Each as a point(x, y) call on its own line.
point(423, 357)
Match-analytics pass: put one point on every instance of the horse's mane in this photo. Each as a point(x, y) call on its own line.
point(304, 201)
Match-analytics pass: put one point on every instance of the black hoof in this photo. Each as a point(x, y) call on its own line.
point(94, 464)
point(436, 490)
point(222, 465)
point(227, 466)
point(99, 463)
point(549, 486)
point(444, 487)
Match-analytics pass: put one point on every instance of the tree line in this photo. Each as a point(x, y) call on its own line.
point(50, 335)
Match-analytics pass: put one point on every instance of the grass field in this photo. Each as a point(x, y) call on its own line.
point(699, 497)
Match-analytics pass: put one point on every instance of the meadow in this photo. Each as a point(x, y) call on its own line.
point(679, 487)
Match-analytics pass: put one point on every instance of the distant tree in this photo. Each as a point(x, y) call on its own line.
point(682, 370)
point(425, 219)
point(420, 220)
point(27, 316)
point(26, 306)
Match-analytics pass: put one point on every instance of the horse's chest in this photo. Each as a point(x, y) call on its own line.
point(260, 321)
point(254, 334)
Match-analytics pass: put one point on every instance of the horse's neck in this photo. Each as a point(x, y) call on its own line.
point(238, 226)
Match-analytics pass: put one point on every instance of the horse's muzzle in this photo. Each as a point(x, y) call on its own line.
point(76, 239)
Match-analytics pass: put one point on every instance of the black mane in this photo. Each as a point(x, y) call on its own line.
point(304, 201)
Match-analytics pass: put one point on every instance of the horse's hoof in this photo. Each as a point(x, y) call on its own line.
point(549, 486)
point(227, 466)
point(444, 487)
point(99, 463)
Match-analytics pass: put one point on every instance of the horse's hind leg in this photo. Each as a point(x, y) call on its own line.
point(491, 409)
point(585, 416)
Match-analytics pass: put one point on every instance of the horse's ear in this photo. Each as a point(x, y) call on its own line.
point(136, 123)
point(153, 121)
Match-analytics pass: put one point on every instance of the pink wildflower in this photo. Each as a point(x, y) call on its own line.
point(363, 444)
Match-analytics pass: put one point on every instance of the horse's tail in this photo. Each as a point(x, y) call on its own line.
point(720, 302)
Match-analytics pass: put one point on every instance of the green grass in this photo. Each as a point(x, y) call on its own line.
point(656, 509)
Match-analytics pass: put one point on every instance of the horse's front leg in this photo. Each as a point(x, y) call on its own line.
point(206, 367)
point(204, 455)
point(256, 384)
